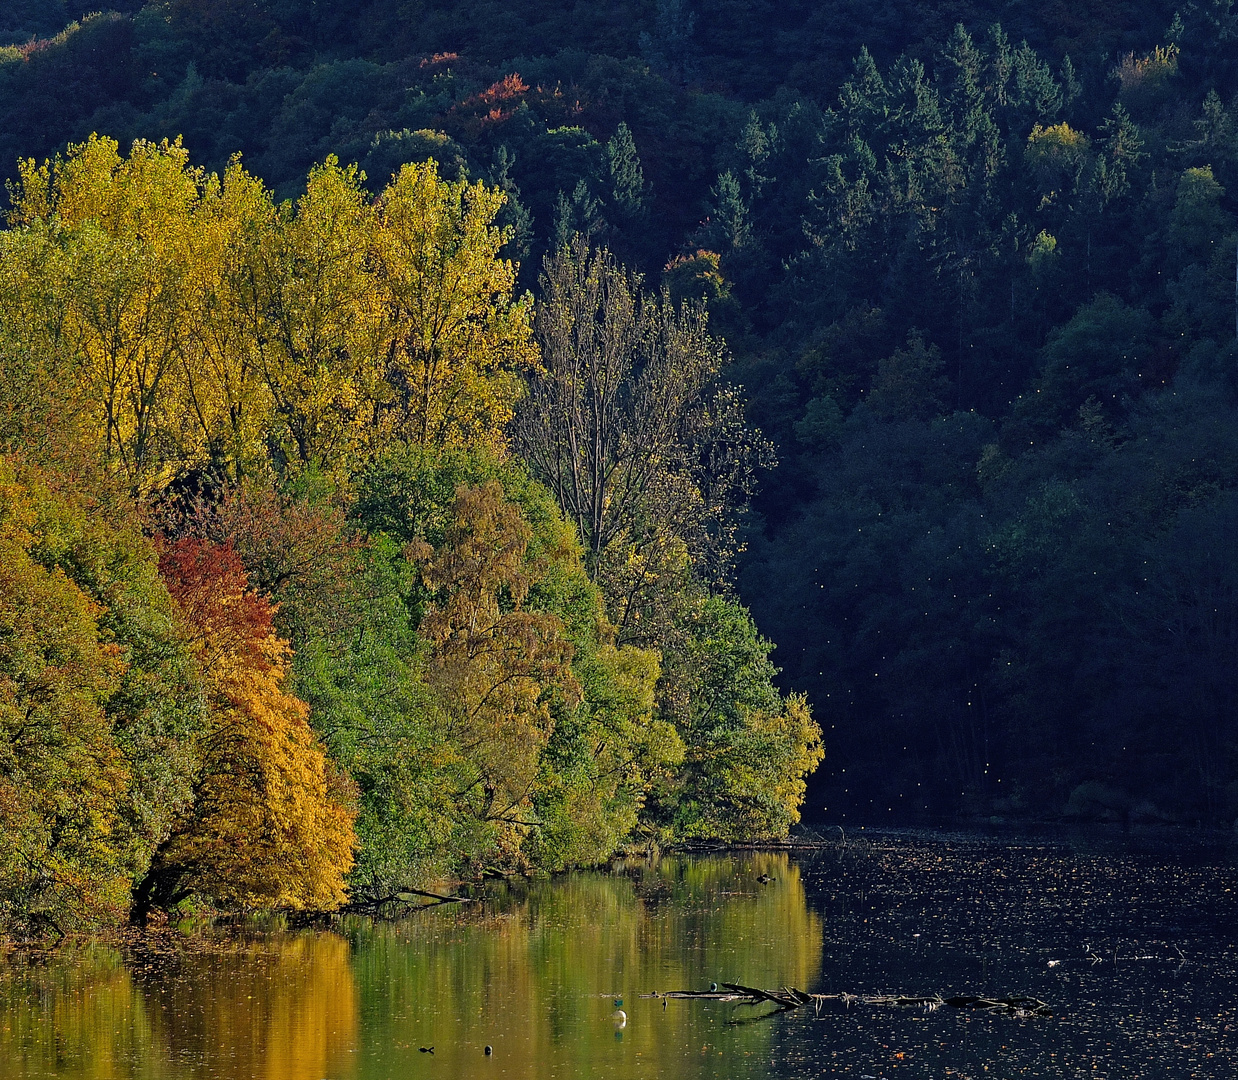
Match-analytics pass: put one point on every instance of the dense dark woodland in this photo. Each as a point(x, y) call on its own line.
point(977, 282)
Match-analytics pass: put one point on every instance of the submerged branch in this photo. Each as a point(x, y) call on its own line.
point(788, 997)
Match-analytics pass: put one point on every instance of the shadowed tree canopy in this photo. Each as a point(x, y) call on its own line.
point(630, 427)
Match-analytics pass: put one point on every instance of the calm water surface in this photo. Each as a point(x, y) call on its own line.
point(1135, 951)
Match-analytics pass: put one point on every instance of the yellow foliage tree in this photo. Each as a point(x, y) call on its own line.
point(62, 777)
point(792, 749)
point(454, 338)
point(1057, 157)
point(496, 667)
point(114, 235)
point(309, 309)
point(222, 389)
point(192, 321)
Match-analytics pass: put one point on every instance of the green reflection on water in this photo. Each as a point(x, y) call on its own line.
point(534, 975)
point(77, 1015)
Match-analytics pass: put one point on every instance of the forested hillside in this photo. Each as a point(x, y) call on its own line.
point(908, 328)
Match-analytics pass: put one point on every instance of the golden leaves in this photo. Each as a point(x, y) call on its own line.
point(269, 824)
point(192, 321)
point(453, 336)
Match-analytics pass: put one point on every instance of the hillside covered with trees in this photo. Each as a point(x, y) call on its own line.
point(417, 411)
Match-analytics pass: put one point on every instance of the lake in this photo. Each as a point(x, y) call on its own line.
point(1131, 942)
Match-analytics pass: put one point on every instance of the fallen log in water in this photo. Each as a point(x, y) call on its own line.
point(788, 997)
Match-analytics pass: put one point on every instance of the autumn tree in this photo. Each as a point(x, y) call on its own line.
point(454, 338)
point(98, 706)
point(481, 702)
point(126, 276)
point(62, 776)
point(269, 824)
point(221, 388)
point(652, 460)
point(294, 539)
point(110, 236)
point(496, 666)
point(309, 312)
point(197, 325)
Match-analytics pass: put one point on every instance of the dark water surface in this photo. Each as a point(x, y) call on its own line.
point(1134, 948)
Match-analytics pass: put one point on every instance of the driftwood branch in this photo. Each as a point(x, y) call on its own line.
point(788, 997)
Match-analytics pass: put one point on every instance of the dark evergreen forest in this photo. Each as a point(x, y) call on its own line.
point(974, 263)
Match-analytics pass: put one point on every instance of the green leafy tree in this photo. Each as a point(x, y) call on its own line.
point(479, 699)
point(1098, 356)
point(627, 179)
point(910, 383)
point(748, 749)
point(100, 707)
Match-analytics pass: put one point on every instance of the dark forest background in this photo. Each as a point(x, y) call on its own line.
point(974, 263)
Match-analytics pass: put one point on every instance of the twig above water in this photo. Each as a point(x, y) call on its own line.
point(405, 896)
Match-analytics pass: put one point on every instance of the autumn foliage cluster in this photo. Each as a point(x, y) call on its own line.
point(284, 620)
point(974, 265)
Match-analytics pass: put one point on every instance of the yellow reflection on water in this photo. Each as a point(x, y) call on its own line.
point(533, 974)
point(284, 1008)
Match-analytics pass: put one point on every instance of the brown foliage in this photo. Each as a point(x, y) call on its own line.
point(497, 667)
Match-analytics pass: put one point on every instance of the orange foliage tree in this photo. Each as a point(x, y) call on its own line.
point(270, 823)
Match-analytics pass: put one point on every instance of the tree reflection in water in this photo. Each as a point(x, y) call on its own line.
point(537, 978)
point(283, 1008)
point(534, 973)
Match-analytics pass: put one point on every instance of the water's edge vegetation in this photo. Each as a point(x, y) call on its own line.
point(390, 403)
point(286, 618)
